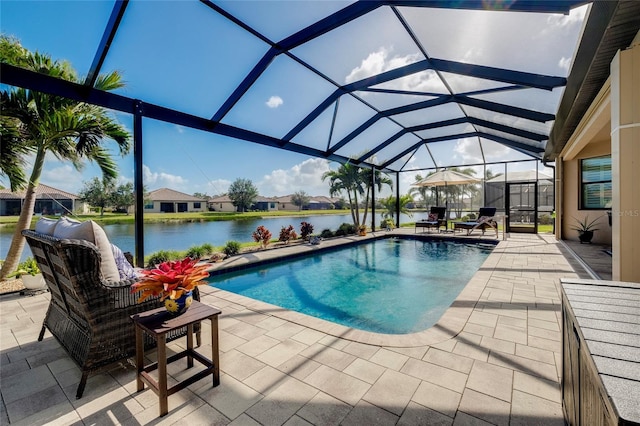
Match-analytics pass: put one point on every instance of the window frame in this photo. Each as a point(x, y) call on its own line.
point(582, 184)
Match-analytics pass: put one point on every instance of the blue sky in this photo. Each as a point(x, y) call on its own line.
point(182, 55)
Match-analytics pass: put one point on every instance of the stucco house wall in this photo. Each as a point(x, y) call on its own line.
point(221, 204)
point(611, 126)
point(571, 189)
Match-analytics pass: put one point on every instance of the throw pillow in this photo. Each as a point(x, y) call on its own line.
point(46, 226)
point(92, 232)
point(433, 217)
point(125, 269)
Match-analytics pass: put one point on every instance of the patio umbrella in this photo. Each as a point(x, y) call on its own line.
point(446, 178)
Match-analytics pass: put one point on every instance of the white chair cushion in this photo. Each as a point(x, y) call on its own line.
point(46, 226)
point(92, 232)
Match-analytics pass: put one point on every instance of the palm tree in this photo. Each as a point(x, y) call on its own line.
point(347, 178)
point(378, 180)
point(458, 192)
point(41, 123)
point(426, 193)
point(389, 205)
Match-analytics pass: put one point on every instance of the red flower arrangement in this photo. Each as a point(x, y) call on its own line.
point(170, 279)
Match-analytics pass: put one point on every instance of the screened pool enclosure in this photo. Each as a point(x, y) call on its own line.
point(401, 87)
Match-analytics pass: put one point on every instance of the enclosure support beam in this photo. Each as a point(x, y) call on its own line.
point(373, 198)
point(138, 185)
point(397, 199)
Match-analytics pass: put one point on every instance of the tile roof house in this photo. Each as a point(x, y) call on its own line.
point(267, 204)
point(165, 200)
point(49, 200)
point(315, 203)
point(321, 203)
point(224, 204)
point(221, 204)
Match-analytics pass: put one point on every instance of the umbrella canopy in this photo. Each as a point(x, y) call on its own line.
point(445, 178)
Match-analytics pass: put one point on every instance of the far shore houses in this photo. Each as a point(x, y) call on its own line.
point(52, 201)
point(284, 203)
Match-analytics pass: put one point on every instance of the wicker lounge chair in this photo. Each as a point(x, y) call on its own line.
point(440, 221)
point(89, 317)
point(485, 221)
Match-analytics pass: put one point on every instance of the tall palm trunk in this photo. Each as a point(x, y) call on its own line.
point(366, 206)
point(24, 221)
point(356, 216)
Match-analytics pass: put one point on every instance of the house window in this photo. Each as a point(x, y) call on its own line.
point(272, 205)
point(595, 183)
point(149, 205)
point(196, 205)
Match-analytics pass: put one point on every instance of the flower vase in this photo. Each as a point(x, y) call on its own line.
point(180, 305)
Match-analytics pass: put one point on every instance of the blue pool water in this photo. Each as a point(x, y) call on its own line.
point(394, 286)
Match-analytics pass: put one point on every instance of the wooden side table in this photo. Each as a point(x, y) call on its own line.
point(157, 323)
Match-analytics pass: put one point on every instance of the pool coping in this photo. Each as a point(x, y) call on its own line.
point(448, 326)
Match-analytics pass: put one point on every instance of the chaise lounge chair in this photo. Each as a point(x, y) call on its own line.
point(436, 219)
point(485, 221)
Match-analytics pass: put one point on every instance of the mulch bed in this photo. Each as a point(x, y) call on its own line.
point(10, 286)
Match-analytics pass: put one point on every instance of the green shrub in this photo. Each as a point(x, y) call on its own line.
point(196, 252)
point(326, 233)
point(207, 248)
point(387, 223)
point(231, 248)
point(347, 229)
point(27, 267)
point(162, 256)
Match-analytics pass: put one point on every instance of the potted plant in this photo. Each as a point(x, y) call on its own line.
point(29, 273)
point(387, 224)
point(173, 281)
point(585, 229)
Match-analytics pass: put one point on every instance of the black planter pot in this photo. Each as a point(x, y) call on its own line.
point(585, 236)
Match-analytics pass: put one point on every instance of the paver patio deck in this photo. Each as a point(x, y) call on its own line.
point(493, 359)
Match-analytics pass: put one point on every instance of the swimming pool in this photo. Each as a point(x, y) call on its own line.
point(393, 285)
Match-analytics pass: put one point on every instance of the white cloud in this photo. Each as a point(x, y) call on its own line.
point(468, 150)
point(64, 177)
point(274, 102)
point(564, 63)
point(306, 176)
point(576, 16)
point(381, 61)
point(374, 64)
point(217, 186)
point(156, 180)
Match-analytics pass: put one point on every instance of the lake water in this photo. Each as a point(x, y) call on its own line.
point(182, 235)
